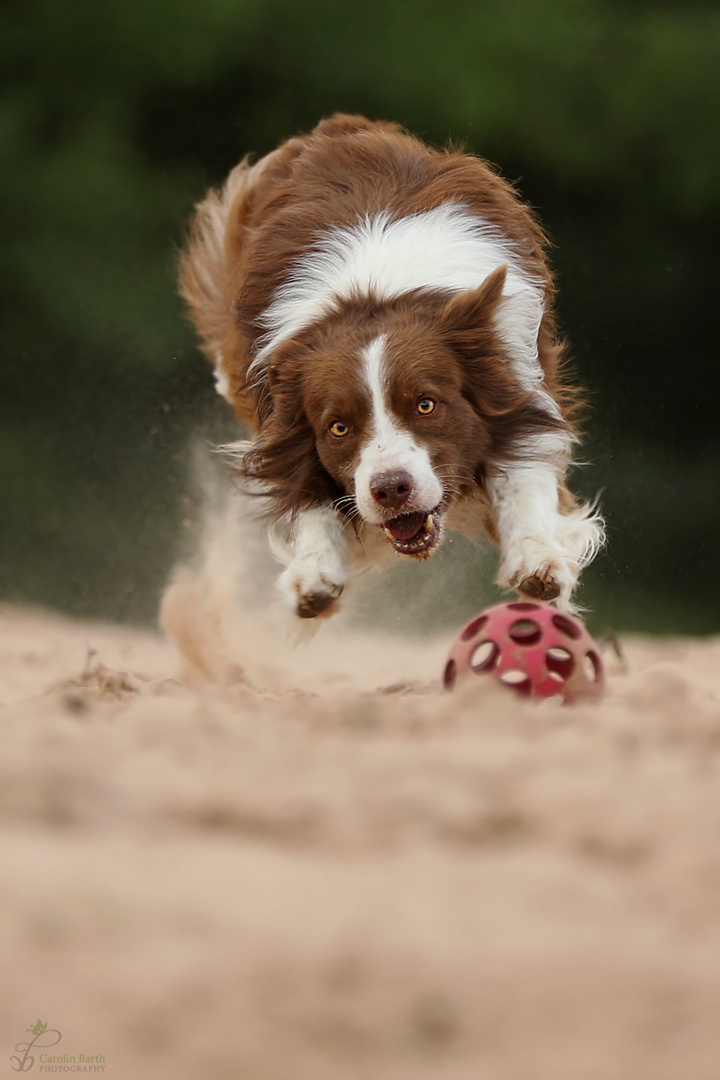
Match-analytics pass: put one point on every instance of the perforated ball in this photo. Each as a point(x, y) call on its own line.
point(530, 647)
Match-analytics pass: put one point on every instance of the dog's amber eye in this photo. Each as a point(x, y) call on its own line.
point(425, 406)
point(338, 429)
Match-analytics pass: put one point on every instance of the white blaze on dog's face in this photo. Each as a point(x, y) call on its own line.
point(394, 477)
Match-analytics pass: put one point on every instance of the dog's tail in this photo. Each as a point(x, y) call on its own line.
point(216, 237)
point(203, 264)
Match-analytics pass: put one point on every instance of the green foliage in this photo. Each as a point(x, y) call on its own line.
point(114, 117)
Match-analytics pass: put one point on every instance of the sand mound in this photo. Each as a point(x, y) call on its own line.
point(328, 868)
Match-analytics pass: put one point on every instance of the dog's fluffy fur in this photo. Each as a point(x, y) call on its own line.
point(379, 313)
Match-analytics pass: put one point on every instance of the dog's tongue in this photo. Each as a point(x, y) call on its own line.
point(406, 526)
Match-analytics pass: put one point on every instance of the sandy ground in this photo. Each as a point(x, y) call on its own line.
point(329, 868)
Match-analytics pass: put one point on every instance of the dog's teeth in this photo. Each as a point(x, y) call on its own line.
point(430, 523)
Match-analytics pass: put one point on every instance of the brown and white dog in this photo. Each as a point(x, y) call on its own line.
point(379, 313)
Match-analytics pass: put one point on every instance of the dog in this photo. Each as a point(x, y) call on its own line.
point(379, 314)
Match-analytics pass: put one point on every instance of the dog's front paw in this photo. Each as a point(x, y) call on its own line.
point(309, 592)
point(312, 604)
point(538, 570)
point(540, 586)
point(316, 557)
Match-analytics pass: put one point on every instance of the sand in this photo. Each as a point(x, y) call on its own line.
point(314, 863)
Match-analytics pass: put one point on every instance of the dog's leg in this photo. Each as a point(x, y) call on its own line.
point(543, 547)
point(316, 555)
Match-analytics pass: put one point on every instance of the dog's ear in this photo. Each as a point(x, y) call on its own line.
point(279, 373)
point(283, 459)
point(468, 319)
point(283, 377)
point(469, 324)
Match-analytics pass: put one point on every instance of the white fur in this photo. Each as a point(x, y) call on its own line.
point(535, 537)
point(222, 381)
point(316, 557)
point(448, 248)
point(390, 447)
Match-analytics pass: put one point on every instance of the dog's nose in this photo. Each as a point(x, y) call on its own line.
point(391, 490)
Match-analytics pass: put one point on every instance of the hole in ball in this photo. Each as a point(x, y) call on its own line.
point(473, 628)
point(592, 666)
point(517, 680)
point(450, 675)
point(523, 605)
point(484, 656)
point(567, 626)
point(525, 632)
point(559, 662)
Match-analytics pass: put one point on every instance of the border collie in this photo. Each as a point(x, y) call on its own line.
point(379, 313)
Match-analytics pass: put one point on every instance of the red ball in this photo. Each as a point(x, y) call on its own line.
point(530, 647)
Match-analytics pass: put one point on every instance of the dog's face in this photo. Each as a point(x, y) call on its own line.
point(396, 432)
point(404, 407)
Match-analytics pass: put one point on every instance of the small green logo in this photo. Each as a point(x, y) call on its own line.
point(42, 1039)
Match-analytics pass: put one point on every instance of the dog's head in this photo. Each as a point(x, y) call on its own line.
point(393, 411)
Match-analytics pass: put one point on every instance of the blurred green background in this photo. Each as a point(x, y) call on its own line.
point(114, 119)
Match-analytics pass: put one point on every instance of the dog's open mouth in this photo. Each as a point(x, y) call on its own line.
point(414, 534)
